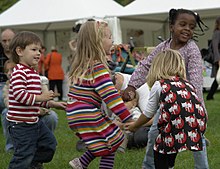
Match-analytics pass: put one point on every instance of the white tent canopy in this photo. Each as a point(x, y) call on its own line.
point(145, 8)
point(149, 15)
point(55, 14)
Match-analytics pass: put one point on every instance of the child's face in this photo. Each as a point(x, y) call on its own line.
point(29, 56)
point(184, 27)
point(107, 40)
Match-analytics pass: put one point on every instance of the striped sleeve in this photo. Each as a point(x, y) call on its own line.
point(18, 83)
point(138, 77)
point(105, 88)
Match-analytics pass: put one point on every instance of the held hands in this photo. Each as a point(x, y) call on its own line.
point(44, 111)
point(123, 126)
point(119, 124)
point(57, 105)
point(129, 94)
point(130, 126)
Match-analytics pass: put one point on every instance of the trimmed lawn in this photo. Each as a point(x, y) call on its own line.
point(132, 159)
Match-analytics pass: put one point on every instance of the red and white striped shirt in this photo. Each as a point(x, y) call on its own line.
point(25, 84)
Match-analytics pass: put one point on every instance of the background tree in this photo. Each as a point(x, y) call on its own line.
point(5, 4)
point(124, 2)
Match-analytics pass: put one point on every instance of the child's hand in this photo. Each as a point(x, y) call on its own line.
point(47, 95)
point(130, 126)
point(57, 105)
point(119, 124)
point(129, 93)
point(44, 111)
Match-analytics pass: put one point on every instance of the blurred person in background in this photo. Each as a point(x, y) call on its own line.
point(53, 64)
point(215, 66)
point(5, 54)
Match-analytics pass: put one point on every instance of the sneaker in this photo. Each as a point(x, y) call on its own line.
point(121, 149)
point(75, 163)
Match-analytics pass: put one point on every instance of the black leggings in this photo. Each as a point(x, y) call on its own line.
point(212, 90)
point(164, 161)
point(59, 85)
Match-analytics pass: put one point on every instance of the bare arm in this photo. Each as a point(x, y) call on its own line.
point(49, 95)
point(133, 126)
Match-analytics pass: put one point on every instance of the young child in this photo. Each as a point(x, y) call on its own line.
point(92, 84)
point(182, 120)
point(182, 23)
point(120, 81)
point(34, 144)
point(49, 117)
point(137, 139)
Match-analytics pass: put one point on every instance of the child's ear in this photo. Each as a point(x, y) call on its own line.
point(171, 28)
point(19, 51)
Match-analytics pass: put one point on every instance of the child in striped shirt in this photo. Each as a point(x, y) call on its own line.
point(91, 85)
point(34, 144)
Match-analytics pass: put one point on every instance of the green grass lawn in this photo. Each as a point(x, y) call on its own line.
point(132, 159)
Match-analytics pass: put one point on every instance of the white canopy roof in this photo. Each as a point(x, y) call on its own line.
point(55, 14)
point(155, 9)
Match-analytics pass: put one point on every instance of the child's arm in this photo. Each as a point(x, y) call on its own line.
point(150, 110)
point(133, 126)
point(105, 88)
point(57, 105)
point(49, 95)
point(150, 122)
point(131, 104)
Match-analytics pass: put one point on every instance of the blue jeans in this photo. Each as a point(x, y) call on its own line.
point(51, 121)
point(33, 143)
point(148, 162)
point(200, 157)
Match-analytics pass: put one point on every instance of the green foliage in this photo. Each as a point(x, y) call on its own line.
point(124, 2)
point(132, 159)
point(5, 4)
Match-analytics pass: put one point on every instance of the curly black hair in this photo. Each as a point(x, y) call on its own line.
point(174, 13)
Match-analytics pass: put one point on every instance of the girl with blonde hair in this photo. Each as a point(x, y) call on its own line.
point(173, 65)
point(90, 85)
point(182, 120)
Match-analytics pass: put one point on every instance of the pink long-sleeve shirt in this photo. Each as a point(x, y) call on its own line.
point(193, 61)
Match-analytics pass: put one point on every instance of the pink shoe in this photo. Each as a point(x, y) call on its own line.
point(75, 163)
